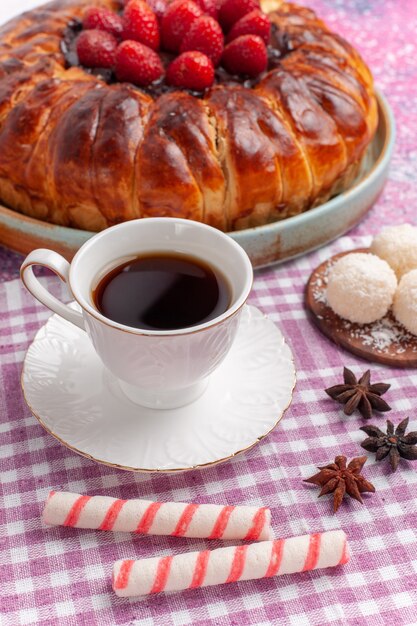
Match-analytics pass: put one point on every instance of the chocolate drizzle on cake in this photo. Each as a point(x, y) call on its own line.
point(278, 48)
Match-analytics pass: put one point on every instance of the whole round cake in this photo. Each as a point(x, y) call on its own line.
point(260, 122)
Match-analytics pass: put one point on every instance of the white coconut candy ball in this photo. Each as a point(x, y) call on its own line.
point(405, 302)
point(397, 245)
point(361, 287)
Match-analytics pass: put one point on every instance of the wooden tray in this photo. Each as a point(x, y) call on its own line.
point(385, 341)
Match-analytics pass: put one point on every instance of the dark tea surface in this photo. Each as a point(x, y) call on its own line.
point(162, 292)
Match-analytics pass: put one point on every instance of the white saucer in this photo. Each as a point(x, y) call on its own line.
point(77, 401)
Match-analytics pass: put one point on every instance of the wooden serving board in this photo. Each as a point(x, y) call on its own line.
point(385, 341)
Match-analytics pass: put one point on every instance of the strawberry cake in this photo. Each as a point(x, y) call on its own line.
point(228, 112)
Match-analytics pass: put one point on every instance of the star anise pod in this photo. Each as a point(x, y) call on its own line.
point(337, 478)
point(359, 394)
point(395, 444)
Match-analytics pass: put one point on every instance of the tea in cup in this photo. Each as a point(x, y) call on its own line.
point(160, 299)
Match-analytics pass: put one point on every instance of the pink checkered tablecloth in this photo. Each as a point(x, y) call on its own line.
point(63, 576)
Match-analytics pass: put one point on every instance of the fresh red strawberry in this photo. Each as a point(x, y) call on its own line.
point(159, 7)
point(96, 48)
point(191, 70)
point(101, 18)
point(205, 35)
point(209, 7)
point(254, 23)
point(245, 55)
point(138, 64)
point(231, 11)
point(177, 21)
point(140, 24)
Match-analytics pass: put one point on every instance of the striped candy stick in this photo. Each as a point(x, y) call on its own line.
point(208, 521)
point(226, 565)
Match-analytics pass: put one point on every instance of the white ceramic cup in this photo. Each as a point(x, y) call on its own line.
point(157, 369)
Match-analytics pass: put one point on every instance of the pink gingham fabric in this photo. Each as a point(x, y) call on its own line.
point(62, 576)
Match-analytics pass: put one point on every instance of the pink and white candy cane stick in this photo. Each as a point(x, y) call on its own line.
point(227, 565)
point(209, 521)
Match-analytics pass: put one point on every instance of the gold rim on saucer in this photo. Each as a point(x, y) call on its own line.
point(150, 470)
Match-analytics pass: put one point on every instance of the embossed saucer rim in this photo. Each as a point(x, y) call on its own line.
point(155, 470)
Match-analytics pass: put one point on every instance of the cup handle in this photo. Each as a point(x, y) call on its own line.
point(61, 267)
